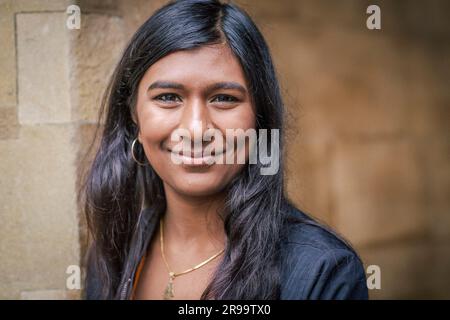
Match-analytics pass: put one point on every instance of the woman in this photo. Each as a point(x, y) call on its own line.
point(192, 229)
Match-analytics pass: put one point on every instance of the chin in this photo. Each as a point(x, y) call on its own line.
point(198, 187)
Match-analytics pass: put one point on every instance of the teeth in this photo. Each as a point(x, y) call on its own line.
point(197, 155)
point(202, 160)
point(190, 160)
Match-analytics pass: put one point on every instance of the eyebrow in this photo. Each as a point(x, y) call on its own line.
point(216, 86)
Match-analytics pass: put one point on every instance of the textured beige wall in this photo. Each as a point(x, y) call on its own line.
point(368, 150)
point(39, 226)
point(49, 97)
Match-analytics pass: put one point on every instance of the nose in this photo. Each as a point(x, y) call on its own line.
point(195, 120)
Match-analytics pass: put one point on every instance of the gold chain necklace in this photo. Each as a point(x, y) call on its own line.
point(168, 293)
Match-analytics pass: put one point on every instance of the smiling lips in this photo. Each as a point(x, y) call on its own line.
point(196, 158)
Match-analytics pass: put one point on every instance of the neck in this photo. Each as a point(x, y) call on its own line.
point(194, 222)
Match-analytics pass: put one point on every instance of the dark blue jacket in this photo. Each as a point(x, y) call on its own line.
point(315, 264)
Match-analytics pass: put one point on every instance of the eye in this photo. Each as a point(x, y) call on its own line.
point(168, 98)
point(225, 98)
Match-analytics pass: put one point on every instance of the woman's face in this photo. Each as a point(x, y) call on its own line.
point(190, 92)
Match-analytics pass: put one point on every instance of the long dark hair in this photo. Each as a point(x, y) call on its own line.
point(117, 189)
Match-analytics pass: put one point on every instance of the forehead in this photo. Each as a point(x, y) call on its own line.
point(198, 66)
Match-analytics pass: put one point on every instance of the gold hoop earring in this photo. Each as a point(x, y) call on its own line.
point(132, 154)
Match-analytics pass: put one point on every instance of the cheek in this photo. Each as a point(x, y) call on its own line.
point(151, 139)
point(239, 118)
point(248, 115)
point(154, 129)
point(242, 117)
point(154, 123)
point(150, 133)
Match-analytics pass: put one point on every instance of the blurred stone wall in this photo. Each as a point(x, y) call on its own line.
point(50, 87)
point(368, 146)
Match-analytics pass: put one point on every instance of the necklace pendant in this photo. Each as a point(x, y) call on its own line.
point(168, 293)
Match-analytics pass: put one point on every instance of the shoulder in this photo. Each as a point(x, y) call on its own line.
point(317, 263)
